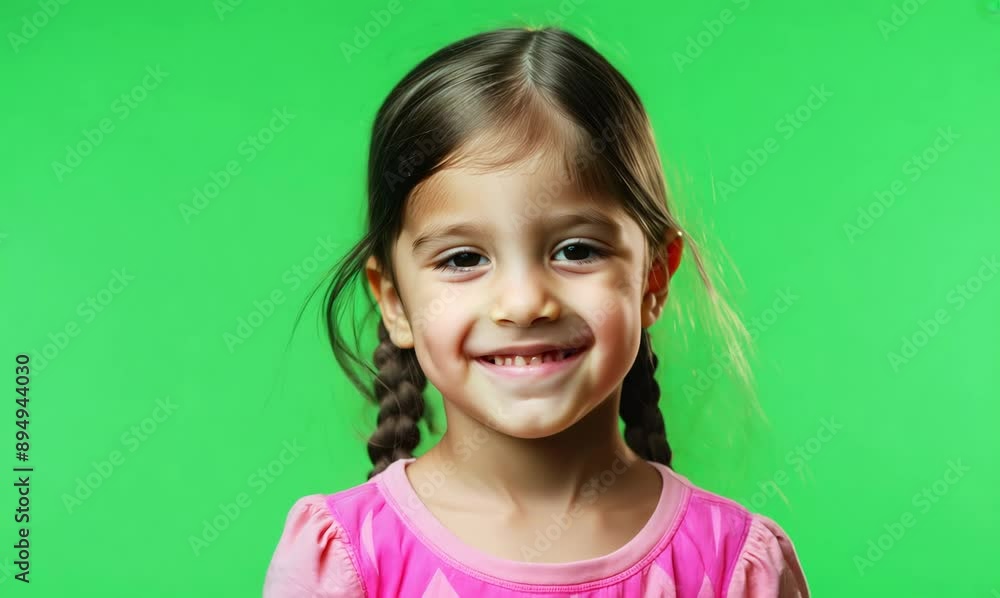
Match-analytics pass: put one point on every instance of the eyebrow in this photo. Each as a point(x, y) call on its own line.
point(586, 216)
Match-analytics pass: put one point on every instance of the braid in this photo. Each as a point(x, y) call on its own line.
point(399, 386)
point(645, 432)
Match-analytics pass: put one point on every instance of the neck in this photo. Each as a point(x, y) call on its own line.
point(519, 476)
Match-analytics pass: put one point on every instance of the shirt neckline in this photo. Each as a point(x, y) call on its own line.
point(635, 554)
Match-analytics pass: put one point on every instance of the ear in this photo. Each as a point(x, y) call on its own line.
point(390, 305)
point(658, 282)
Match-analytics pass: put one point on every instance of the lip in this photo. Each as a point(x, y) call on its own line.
point(541, 371)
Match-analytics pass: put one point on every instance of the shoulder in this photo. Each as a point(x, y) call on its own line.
point(716, 524)
point(313, 555)
point(768, 564)
point(760, 559)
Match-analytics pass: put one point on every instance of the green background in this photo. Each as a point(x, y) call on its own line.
point(851, 296)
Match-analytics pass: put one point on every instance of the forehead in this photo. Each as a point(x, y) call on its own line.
point(526, 190)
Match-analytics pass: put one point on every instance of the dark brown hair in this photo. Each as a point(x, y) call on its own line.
point(492, 99)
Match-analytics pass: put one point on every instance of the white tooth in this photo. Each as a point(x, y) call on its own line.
point(535, 359)
point(518, 360)
point(508, 361)
point(497, 360)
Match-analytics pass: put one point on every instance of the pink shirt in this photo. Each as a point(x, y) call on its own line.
point(379, 540)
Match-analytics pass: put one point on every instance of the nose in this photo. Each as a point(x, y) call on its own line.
point(523, 300)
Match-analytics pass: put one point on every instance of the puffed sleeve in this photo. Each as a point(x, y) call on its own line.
point(767, 566)
point(312, 558)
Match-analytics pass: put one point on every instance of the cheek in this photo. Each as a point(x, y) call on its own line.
point(616, 326)
point(432, 308)
point(616, 323)
point(438, 343)
point(440, 324)
point(431, 350)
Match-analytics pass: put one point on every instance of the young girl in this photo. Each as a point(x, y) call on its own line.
point(519, 247)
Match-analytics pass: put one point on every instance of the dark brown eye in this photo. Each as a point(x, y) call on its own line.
point(464, 262)
point(577, 252)
point(581, 253)
point(466, 259)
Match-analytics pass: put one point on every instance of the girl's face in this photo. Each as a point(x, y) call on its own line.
point(490, 261)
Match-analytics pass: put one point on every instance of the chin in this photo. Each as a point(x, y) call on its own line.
point(527, 424)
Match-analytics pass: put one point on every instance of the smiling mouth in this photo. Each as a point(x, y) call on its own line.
point(527, 361)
